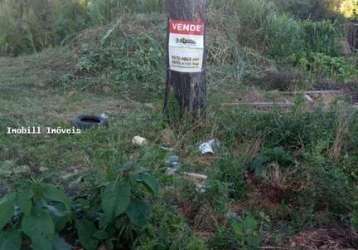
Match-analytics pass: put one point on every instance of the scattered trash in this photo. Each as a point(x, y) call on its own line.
point(104, 116)
point(198, 179)
point(309, 98)
point(209, 147)
point(139, 141)
point(90, 121)
point(173, 164)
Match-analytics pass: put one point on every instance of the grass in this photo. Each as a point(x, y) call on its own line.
point(277, 175)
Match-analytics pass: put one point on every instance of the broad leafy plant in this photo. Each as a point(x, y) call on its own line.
point(36, 214)
point(113, 213)
point(121, 208)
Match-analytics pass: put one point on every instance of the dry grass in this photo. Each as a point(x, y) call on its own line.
point(341, 134)
point(333, 238)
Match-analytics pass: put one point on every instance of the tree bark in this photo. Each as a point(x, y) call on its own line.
point(187, 91)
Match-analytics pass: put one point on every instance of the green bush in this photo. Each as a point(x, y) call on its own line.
point(70, 17)
point(168, 230)
point(292, 130)
point(129, 62)
point(328, 189)
point(30, 26)
point(324, 66)
point(287, 36)
point(112, 212)
point(243, 233)
point(283, 35)
point(310, 9)
point(105, 11)
point(37, 212)
point(321, 37)
point(253, 18)
point(231, 171)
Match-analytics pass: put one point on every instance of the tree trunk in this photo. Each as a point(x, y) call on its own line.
point(186, 86)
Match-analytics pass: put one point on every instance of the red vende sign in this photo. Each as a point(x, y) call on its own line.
point(186, 27)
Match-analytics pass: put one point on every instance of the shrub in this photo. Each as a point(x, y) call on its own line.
point(113, 212)
point(354, 219)
point(38, 212)
point(129, 62)
point(231, 171)
point(29, 26)
point(329, 190)
point(253, 18)
point(324, 66)
point(243, 233)
point(292, 130)
point(310, 9)
point(70, 17)
point(321, 37)
point(105, 11)
point(168, 230)
point(283, 35)
point(286, 36)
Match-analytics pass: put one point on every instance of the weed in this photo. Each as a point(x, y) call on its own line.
point(231, 171)
point(38, 213)
point(241, 234)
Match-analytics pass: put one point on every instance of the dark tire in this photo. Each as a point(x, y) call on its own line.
point(89, 121)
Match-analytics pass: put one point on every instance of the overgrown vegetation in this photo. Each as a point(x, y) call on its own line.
point(277, 178)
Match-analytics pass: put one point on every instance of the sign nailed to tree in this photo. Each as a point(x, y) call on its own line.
point(186, 45)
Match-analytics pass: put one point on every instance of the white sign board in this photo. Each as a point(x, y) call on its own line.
point(186, 46)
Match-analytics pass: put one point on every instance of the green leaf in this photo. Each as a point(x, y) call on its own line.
point(86, 229)
point(115, 200)
point(40, 228)
point(150, 182)
point(60, 244)
point(52, 193)
point(10, 240)
point(101, 235)
point(7, 209)
point(138, 212)
point(59, 214)
point(23, 200)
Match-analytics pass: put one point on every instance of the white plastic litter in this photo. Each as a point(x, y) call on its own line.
point(139, 141)
point(104, 116)
point(209, 147)
point(198, 179)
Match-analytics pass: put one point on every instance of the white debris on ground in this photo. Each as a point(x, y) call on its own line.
point(209, 147)
point(139, 141)
point(199, 180)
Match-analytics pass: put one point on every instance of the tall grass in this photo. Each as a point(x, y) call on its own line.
point(29, 26)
